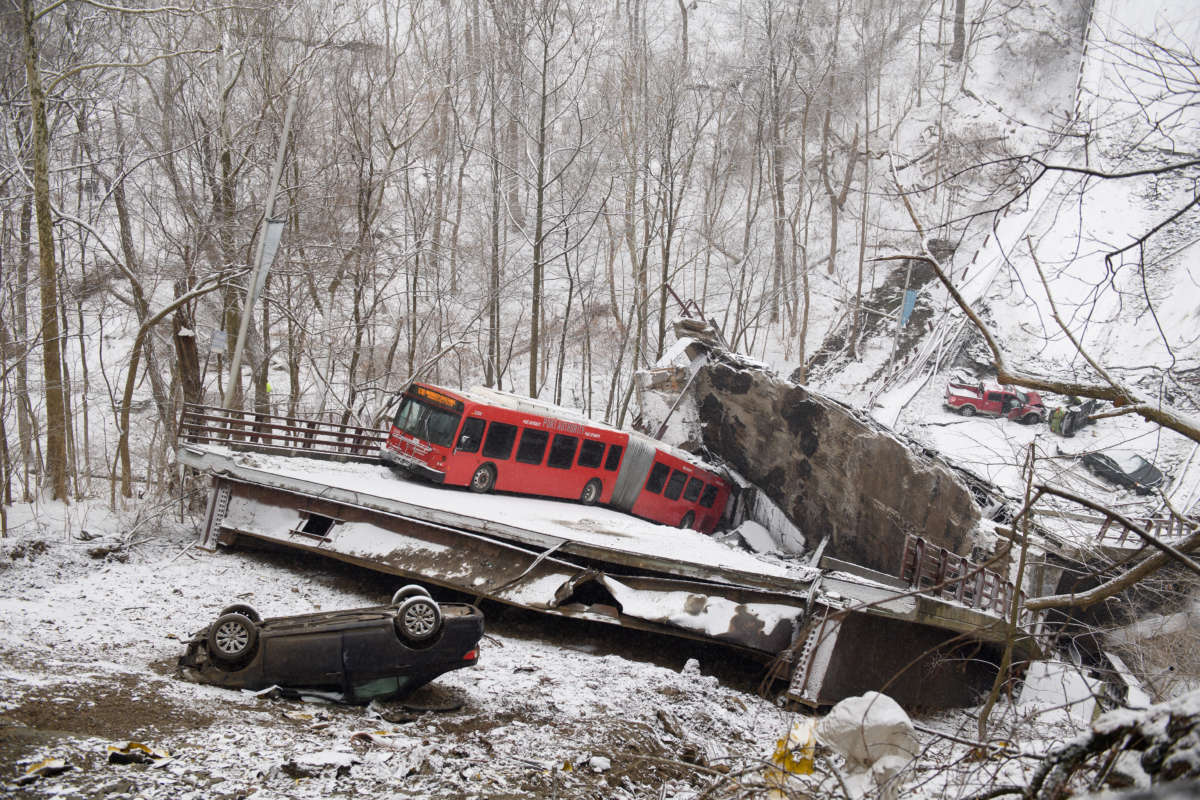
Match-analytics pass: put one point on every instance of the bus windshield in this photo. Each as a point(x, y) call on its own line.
point(433, 425)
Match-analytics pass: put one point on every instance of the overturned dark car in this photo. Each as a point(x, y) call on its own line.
point(1125, 469)
point(358, 654)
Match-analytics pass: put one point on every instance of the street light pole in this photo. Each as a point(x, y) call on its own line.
point(271, 228)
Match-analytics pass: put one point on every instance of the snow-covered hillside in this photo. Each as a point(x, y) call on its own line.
point(525, 195)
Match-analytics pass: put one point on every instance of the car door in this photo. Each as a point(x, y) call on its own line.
point(303, 658)
point(373, 650)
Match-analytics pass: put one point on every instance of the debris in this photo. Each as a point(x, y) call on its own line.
point(1134, 694)
point(599, 764)
point(670, 723)
point(756, 537)
point(376, 738)
point(690, 667)
point(135, 753)
point(310, 765)
point(45, 768)
point(328, 758)
point(795, 752)
point(1061, 690)
point(876, 738)
point(112, 551)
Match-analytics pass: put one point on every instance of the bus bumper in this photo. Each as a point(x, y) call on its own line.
point(410, 464)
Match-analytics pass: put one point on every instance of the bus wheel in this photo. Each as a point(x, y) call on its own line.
point(687, 520)
point(484, 479)
point(591, 492)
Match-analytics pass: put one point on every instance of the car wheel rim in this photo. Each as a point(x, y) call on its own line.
point(419, 620)
point(481, 479)
point(231, 638)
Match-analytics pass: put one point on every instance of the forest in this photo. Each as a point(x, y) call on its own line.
point(520, 195)
point(297, 209)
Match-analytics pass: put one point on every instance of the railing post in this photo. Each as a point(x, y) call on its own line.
point(939, 574)
point(919, 549)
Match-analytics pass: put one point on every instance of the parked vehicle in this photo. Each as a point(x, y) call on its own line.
point(496, 441)
point(380, 652)
point(969, 399)
point(1125, 468)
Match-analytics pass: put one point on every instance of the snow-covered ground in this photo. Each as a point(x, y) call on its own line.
point(555, 708)
point(89, 647)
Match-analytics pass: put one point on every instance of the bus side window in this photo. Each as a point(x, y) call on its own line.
point(614, 457)
point(709, 497)
point(532, 446)
point(693, 490)
point(471, 436)
point(658, 476)
point(591, 454)
point(499, 441)
point(675, 485)
point(562, 451)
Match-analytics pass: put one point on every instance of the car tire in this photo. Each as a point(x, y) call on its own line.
point(967, 410)
point(241, 608)
point(484, 479)
point(411, 590)
point(688, 519)
point(233, 638)
point(418, 619)
point(1030, 419)
point(591, 492)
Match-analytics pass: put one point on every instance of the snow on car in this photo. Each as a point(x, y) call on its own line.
point(1124, 468)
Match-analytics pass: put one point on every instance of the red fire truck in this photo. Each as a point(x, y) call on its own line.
point(489, 440)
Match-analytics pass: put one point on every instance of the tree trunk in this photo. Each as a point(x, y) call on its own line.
point(535, 317)
point(960, 30)
point(56, 440)
point(26, 425)
point(187, 355)
point(856, 327)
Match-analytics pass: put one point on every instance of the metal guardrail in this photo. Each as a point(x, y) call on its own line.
point(1111, 531)
point(1163, 528)
point(269, 433)
point(951, 576)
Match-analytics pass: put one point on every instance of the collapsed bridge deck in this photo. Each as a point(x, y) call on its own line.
point(595, 563)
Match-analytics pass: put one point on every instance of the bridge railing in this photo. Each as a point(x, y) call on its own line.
point(942, 573)
point(270, 433)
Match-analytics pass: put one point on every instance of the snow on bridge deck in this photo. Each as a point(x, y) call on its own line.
point(536, 518)
point(542, 523)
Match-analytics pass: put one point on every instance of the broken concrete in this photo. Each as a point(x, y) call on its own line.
point(834, 472)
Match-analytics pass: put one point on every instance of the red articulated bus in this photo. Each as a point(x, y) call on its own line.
point(490, 440)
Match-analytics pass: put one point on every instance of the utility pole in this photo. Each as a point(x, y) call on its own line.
point(272, 229)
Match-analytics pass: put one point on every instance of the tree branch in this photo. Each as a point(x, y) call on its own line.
point(1095, 173)
point(1148, 537)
